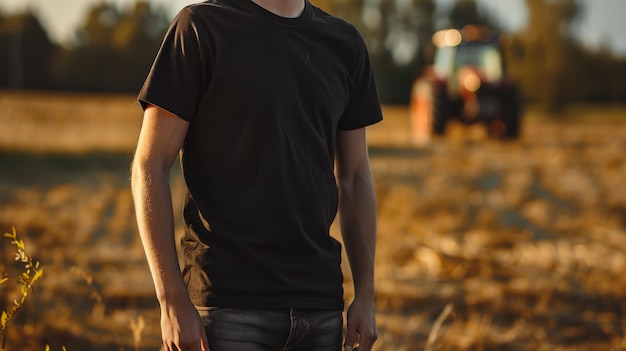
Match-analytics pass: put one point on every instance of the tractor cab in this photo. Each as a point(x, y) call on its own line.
point(467, 82)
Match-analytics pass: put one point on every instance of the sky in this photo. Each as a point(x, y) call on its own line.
point(601, 24)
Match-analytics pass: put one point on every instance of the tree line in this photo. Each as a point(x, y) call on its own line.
point(112, 51)
point(114, 47)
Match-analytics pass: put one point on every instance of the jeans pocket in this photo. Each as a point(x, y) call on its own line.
point(204, 313)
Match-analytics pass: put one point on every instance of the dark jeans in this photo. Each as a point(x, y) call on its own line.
point(231, 329)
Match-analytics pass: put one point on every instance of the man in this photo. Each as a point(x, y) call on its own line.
point(261, 98)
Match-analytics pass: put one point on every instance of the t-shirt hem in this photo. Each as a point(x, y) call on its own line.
point(268, 303)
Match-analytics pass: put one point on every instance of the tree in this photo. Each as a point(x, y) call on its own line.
point(90, 63)
point(29, 52)
point(136, 39)
point(114, 48)
point(466, 12)
point(397, 33)
point(547, 45)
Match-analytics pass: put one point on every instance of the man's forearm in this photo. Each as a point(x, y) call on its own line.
point(358, 227)
point(153, 207)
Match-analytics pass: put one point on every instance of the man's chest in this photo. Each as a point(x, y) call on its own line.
point(272, 66)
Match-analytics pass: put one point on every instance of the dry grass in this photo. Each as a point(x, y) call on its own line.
point(69, 123)
point(525, 240)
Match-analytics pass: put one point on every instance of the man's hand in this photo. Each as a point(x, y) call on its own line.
point(361, 329)
point(182, 329)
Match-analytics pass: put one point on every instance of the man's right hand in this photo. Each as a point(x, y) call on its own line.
point(182, 329)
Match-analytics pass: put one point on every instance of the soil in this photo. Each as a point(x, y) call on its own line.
point(483, 244)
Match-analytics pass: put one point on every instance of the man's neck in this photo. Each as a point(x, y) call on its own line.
point(283, 8)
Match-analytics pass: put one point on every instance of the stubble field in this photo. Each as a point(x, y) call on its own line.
point(483, 245)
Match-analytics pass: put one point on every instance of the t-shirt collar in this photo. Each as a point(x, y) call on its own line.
point(304, 17)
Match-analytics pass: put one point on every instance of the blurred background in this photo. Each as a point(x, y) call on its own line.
point(484, 243)
point(105, 46)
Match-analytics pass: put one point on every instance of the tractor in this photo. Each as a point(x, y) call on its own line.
point(468, 82)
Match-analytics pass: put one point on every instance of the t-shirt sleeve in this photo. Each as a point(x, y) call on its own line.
point(178, 75)
point(363, 108)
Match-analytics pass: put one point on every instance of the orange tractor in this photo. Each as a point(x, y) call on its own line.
point(466, 82)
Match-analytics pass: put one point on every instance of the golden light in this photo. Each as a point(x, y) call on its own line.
point(471, 82)
point(447, 37)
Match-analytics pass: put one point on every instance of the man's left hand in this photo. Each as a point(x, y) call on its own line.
point(361, 326)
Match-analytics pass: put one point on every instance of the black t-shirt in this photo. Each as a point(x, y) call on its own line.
point(264, 96)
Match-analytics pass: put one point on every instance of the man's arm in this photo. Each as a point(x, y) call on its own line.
point(161, 137)
point(357, 207)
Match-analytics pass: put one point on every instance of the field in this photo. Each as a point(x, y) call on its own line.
point(483, 245)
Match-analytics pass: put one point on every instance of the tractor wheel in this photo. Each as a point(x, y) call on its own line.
point(512, 116)
point(439, 110)
point(508, 124)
